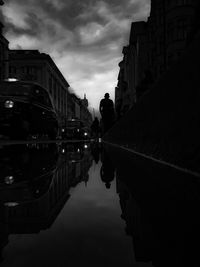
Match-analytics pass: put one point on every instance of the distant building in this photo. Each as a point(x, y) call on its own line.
point(78, 109)
point(3, 55)
point(85, 114)
point(73, 106)
point(39, 67)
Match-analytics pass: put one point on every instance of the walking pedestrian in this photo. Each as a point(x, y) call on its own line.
point(106, 109)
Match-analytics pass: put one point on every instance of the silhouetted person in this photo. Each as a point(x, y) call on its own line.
point(107, 171)
point(95, 128)
point(106, 109)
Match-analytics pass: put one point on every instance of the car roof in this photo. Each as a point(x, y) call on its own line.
point(75, 120)
point(28, 83)
point(17, 83)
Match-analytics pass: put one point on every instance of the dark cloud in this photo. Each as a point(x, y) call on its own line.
point(74, 14)
point(84, 37)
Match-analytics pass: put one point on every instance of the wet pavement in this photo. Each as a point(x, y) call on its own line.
point(86, 204)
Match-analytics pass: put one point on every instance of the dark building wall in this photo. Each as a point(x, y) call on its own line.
point(154, 46)
point(3, 55)
point(169, 25)
point(132, 68)
point(164, 123)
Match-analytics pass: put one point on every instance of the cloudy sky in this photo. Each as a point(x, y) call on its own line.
point(84, 37)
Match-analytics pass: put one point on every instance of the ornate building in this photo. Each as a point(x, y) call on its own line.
point(39, 67)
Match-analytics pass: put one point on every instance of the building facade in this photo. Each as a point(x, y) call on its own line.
point(85, 114)
point(132, 68)
point(3, 55)
point(73, 106)
point(31, 65)
point(153, 47)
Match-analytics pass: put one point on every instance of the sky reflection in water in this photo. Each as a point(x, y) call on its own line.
point(88, 232)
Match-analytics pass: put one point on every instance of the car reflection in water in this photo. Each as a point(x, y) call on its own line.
point(79, 160)
point(34, 184)
point(75, 129)
point(26, 171)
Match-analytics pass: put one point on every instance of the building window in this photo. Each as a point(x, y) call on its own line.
point(170, 31)
point(170, 59)
point(55, 90)
point(182, 29)
point(23, 69)
point(50, 84)
point(182, 2)
point(13, 70)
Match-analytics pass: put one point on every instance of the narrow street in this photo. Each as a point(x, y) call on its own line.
point(85, 204)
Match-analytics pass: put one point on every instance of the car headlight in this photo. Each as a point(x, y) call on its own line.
point(85, 134)
point(9, 104)
point(78, 130)
point(9, 180)
point(11, 204)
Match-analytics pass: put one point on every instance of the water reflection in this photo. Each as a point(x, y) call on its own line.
point(160, 208)
point(35, 180)
point(107, 171)
point(96, 148)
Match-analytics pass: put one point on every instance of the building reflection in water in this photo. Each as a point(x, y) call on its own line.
point(160, 207)
point(35, 180)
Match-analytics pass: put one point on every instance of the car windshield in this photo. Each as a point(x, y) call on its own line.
point(14, 90)
point(74, 123)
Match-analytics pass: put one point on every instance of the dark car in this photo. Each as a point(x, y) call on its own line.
point(75, 129)
point(26, 109)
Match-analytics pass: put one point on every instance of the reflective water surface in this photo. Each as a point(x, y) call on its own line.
point(91, 205)
point(58, 209)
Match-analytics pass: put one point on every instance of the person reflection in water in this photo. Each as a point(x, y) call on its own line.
point(106, 108)
point(95, 151)
point(95, 129)
point(107, 171)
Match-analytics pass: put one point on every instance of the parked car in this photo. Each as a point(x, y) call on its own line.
point(26, 109)
point(75, 129)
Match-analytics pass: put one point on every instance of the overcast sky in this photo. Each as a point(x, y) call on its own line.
point(84, 37)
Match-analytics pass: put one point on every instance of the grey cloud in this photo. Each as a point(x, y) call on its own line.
point(70, 15)
point(67, 32)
